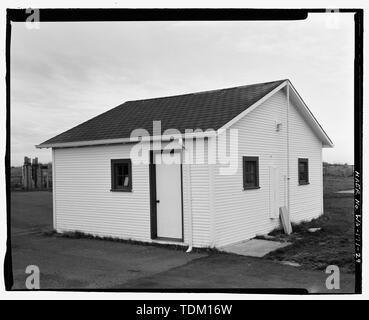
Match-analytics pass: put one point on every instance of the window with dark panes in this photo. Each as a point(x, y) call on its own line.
point(121, 175)
point(250, 172)
point(303, 171)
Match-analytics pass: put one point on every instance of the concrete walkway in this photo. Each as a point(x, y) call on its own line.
point(254, 247)
point(346, 191)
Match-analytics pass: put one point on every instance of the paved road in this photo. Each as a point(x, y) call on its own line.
point(86, 263)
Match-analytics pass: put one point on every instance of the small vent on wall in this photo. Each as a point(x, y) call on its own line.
point(278, 126)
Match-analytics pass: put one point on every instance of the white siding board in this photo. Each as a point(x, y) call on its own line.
point(201, 228)
point(305, 200)
point(84, 201)
point(243, 214)
point(186, 203)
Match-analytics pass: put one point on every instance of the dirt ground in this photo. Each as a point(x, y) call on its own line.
point(334, 243)
point(67, 263)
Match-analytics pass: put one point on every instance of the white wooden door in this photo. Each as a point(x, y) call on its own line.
point(168, 198)
point(274, 192)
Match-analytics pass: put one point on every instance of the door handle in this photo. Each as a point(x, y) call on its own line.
point(157, 201)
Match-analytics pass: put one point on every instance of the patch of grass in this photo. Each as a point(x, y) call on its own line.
point(334, 243)
point(332, 184)
point(83, 235)
point(49, 233)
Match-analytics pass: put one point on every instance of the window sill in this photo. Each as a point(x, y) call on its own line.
point(251, 188)
point(120, 190)
point(303, 183)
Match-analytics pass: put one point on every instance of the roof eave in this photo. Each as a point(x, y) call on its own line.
point(168, 137)
point(328, 144)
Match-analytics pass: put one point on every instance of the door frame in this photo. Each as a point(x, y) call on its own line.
point(153, 205)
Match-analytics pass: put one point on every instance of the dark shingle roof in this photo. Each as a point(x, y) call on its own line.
point(202, 110)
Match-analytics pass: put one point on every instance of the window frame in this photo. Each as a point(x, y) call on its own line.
point(113, 163)
point(305, 161)
point(249, 159)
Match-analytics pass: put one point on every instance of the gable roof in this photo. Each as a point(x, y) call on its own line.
point(202, 110)
point(215, 109)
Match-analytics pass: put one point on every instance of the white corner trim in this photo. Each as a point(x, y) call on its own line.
point(53, 163)
point(212, 210)
point(189, 205)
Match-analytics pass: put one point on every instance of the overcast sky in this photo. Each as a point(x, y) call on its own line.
point(65, 73)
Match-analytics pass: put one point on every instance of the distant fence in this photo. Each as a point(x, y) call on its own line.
point(31, 176)
point(339, 170)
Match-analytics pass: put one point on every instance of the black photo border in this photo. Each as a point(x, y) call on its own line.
point(60, 15)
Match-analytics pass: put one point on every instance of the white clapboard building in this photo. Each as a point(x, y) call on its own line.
point(264, 152)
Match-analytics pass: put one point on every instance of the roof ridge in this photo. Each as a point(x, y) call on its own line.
point(207, 91)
